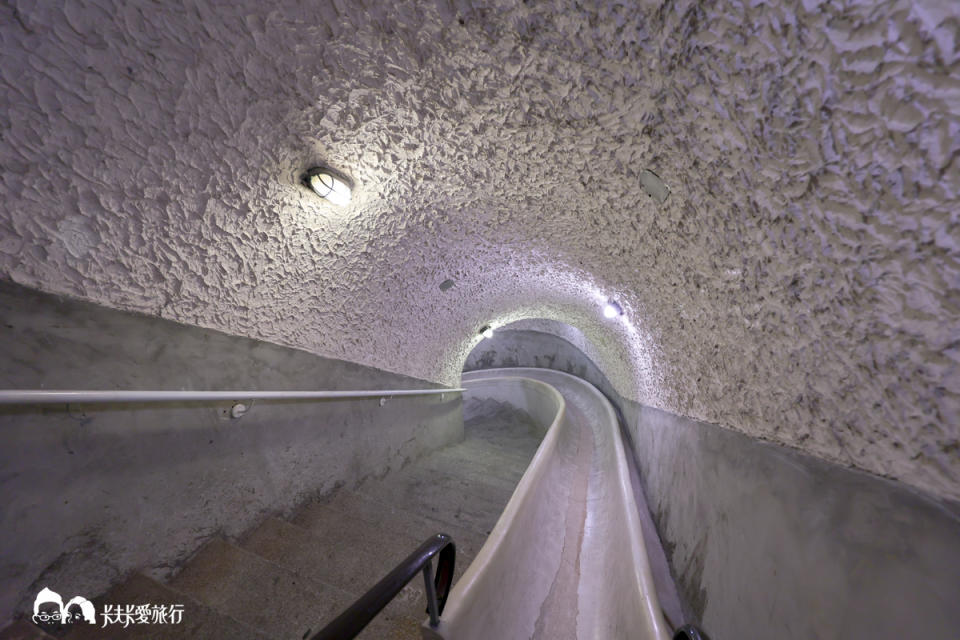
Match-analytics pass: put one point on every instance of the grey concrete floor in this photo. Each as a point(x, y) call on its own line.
point(287, 578)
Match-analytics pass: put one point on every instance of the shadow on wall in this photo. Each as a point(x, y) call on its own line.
point(760, 536)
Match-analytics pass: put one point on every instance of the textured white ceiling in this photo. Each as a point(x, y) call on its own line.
point(800, 284)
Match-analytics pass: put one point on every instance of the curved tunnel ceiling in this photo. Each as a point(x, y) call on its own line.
point(800, 283)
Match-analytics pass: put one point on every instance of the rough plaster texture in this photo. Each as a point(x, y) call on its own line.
point(93, 492)
point(800, 284)
point(767, 541)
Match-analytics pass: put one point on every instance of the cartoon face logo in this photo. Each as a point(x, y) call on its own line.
point(79, 608)
point(50, 611)
point(48, 607)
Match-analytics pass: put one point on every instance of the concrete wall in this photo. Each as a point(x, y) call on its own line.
point(767, 541)
point(90, 493)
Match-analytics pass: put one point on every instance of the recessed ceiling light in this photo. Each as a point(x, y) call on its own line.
point(612, 310)
point(328, 184)
point(487, 331)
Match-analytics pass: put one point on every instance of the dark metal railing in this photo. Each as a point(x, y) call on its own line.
point(689, 632)
point(358, 615)
point(352, 621)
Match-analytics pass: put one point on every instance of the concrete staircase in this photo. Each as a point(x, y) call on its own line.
point(288, 578)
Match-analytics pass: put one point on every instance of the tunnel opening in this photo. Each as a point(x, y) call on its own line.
point(539, 343)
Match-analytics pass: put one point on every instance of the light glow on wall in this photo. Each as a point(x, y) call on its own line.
point(612, 310)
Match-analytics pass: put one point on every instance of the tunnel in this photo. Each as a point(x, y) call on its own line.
point(480, 319)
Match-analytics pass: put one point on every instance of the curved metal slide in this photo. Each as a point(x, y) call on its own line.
point(566, 559)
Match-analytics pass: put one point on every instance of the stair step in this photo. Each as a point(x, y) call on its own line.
point(441, 496)
point(492, 471)
point(351, 558)
point(198, 621)
point(378, 515)
point(343, 562)
point(346, 511)
point(515, 455)
point(259, 593)
point(474, 472)
point(24, 630)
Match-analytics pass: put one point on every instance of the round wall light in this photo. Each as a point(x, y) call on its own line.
point(487, 331)
point(612, 310)
point(328, 184)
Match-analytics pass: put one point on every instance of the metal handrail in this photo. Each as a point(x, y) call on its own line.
point(689, 632)
point(358, 615)
point(43, 396)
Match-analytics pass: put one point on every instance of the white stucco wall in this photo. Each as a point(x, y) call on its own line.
point(800, 284)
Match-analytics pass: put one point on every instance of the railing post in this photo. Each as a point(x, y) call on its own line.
point(689, 632)
point(358, 615)
point(431, 594)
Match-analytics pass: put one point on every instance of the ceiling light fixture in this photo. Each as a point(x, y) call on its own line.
point(487, 331)
point(329, 185)
point(612, 310)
